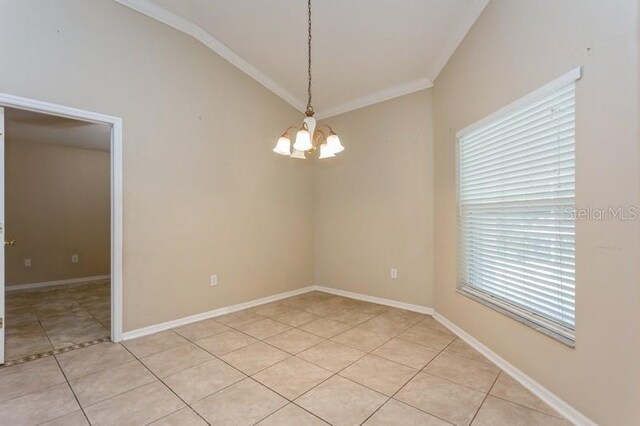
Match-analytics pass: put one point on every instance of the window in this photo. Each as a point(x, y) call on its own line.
point(516, 230)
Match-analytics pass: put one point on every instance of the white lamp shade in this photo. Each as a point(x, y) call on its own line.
point(325, 151)
point(333, 142)
point(310, 122)
point(297, 154)
point(283, 147)
point(303, 141)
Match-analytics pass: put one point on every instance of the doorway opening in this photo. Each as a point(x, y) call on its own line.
point(61, 276)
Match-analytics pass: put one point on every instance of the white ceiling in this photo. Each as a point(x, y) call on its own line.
point(364, 51)
point(28, 126)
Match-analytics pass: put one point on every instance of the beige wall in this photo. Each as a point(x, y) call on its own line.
point(514, 48)
point(374, 202)
point(203, 193)
point(57, 203)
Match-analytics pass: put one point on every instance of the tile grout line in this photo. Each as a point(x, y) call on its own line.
point(483, 400)
point(64, 374)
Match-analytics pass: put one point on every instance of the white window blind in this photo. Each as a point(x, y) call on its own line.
point(516, 187)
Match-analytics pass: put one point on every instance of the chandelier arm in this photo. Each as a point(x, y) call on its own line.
point(285, 133)
point(325, 125)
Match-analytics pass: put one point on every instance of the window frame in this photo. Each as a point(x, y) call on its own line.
point(537, 322)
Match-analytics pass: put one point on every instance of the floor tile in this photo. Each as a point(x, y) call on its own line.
point(183, 417)
point(226, 342)
point(353, 317)
point(395, 413)
point(38, 407)
point(169, 362)
point(383, 326)
point(508, 388)
point(407, 353)
point(135, 407)
point(201, 329)
point(363, 340)
point(292, 415)
point(29, 377)
point(331, 356)
point(271, 309)
point(323, 309)
point(75, 418)
point(93, 358)
point(379, 374)
point(263, 329)
point(292, 377)
point(255, 357)
point(104, 384)
point(154, 343)
point(295, 317)
point(430, 322)
point(441, 398)
point(495, 411)
point(324, 327)
point(341, 402)
point(200, 381)
point(474, 374)
point(240, 318)
point(460, 348)
point(244, 403)
point(294, 341)
point(428, 337)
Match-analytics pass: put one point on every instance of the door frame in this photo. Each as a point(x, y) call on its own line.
point(11, 101)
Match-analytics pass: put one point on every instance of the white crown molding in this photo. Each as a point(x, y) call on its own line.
point(374, 98)
point(158, 13)
point(15, 287)
point(459, 33)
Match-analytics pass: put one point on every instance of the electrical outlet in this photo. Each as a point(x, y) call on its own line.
point(214, 280)
point(393, 273)
point(75, 258)
point(27, 263)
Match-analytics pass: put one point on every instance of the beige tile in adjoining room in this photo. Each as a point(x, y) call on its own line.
point(226, 342)
point(75, 418)
point(454, 403)
point(244, 403)
point(263, 329)
point(508, 388)
point(324, 327)
point(38, 407)
point(395, 413)
point(331, 356)
point(428, 337)
point(294, 341)
point(104, 384)
point(495, 411)
point(292, 415)
point(183, 417)
point(407, 353)
point(239, 318)
point(292, 377)
point(295, 317)
point(177, 359)
point(93, 358)
point(379, 374)
point(154, 343)
point(341, 402)
point(201, 329)
point(202, 380)
point(29, 377)
point(363, 340)
point(135, 407)
point(255, 357)
point(460, 348)
point(474, 374)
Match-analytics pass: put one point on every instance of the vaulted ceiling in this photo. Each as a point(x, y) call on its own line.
point(364, 51)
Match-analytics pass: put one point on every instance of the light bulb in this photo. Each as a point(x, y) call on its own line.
point(283, 147)
point(325, 151)
point(303, 141)
point(333, 142)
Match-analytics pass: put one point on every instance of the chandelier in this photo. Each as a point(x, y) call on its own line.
point(309, 138)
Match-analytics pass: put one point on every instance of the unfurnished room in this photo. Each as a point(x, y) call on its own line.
point(320, 212)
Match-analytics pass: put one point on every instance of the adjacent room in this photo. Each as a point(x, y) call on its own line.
point(320, 212)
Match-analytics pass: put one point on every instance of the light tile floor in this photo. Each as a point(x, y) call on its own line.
point(41, 320)
point(313, 359)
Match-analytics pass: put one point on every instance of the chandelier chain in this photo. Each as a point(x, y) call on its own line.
point(309, 107)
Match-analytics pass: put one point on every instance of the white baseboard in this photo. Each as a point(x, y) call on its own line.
point(58, 282)
point(534, 387)
point(144, 331)
point(375, 299)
